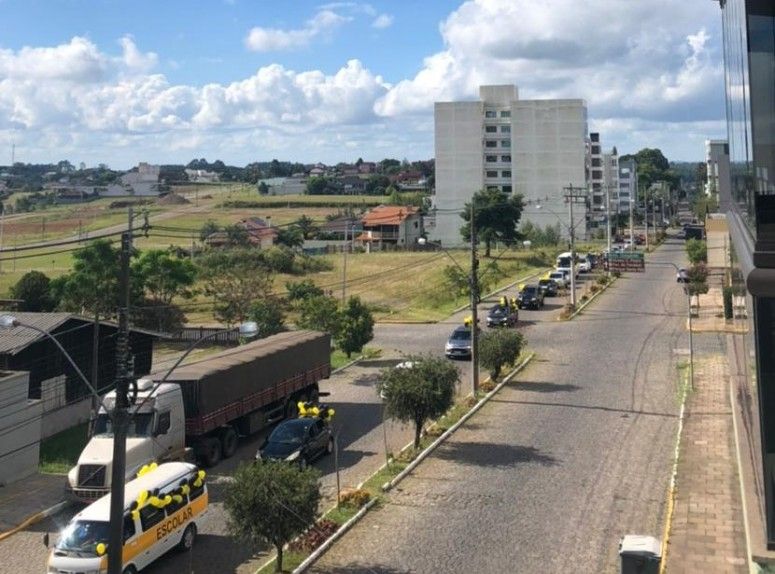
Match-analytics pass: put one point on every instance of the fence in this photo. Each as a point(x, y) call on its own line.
point(191, 334)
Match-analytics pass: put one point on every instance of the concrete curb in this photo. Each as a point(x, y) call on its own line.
point(588, 301)
point(347, 366)
point(341, 531)
point(501, 289)
point(738, 457)
point(35, 518)
point(424, 454)
point(671, 487)
point(312, 558)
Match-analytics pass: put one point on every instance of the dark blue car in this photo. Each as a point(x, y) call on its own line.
point(299, 441)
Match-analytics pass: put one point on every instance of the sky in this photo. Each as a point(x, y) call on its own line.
point(123, 81)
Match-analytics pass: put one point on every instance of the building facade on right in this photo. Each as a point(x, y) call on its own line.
point(749, 60)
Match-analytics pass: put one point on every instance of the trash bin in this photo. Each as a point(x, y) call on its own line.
point(640, 554)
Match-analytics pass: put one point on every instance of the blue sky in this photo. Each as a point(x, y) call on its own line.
point(125, 81)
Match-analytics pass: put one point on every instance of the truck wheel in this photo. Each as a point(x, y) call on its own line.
point(229, 442)
point(211, 451)
point(187, 540)
point(130, 570)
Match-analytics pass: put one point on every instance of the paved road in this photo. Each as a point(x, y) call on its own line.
point(361, 447)
point(549, 475)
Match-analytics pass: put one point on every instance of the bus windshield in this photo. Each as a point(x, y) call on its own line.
point(563, 262)
point(83, 536)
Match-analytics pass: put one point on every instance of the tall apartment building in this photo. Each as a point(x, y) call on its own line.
point(532, 147)
point(717, 164)
point(628, 184)
point(611, 178)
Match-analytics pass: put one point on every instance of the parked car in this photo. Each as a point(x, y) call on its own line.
point(530, 297)
point(299, 441)
point(559, 278)
point(682, 276)
point(502, 316)
point(459, 344)
point(584, 265)
point(548, 286)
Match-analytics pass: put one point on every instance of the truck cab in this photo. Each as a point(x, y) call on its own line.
point(156, 432)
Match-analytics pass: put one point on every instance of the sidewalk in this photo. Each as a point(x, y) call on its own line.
point(707, 533)
point(29, 496)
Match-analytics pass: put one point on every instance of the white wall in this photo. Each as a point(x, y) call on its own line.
point(20, 446)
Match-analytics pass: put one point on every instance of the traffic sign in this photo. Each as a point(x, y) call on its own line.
point(626, 261)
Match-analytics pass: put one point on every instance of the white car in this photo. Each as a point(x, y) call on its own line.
point(584, 265)
point(560, 278)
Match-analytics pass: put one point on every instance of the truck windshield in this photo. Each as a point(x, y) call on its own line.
point(140, 424)
point(83, 536)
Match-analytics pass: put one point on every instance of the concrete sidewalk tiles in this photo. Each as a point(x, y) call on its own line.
point(707, 533)
point(29, 496)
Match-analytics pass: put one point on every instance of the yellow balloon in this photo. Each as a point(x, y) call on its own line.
point(185, 489)
point(135, 514)
point(100, 549)
point(201, 474)
point(142, 498)
point(177, 498)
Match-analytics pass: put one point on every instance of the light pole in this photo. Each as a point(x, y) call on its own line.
point(608, 221)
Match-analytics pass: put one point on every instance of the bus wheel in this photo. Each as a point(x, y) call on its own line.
point(211, 451)
point(130, 570)
point(187, 540)
point(229, 442)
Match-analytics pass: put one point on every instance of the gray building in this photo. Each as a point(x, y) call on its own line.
point(717, 164)
point(532, 147)
point(20, 447)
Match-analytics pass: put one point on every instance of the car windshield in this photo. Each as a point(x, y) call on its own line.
point(545, 282)
point(461, 335)
point(83, 536)
point(292, 433)
point(140, 425)
point(497, 310)
point(529, 290)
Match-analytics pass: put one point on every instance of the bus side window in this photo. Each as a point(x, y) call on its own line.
point(150, 516)
point(173, 506)
point(196, 492)
point(129, 527)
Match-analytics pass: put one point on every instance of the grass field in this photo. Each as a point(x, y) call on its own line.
point(59, 453)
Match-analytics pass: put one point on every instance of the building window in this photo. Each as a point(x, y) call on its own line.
point(596, 149)
point(595, 162)
point(490, 143)
point(506, 188)
point(506, 158)
point(492, 174)
point(492, 188)
point(595, 137)
point(597, 174)
point(505, 114)
point(490, 129)
point(624, 184)
point(596, 187)
point(505, 129)
point(490, 114)
point(506, 173)
point(491, 158)
point(505, 143)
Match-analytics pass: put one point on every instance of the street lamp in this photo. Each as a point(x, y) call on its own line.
point(116, 524)
point(571, 231)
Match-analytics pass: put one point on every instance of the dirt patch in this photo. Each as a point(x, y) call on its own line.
point(172, 199)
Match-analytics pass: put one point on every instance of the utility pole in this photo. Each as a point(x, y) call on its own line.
point(570, 197)
point(120, 415)
point(646, 215)
point(474, 280)
point(344, 263)
point(632, 234)
point(2, 216)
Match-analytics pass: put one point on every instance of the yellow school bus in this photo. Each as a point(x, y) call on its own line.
point(162, 510)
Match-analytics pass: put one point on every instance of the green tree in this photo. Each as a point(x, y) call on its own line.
point(319, 313)
point(300, 290)
point(377, 184)
point(307, 227)
point(499, 347)
point(317, 185)
point(356, 327)
point(271, 503)
point(268, 315)
point(496, 216)
point(290, 237)
point(163, 275)
point(696, 251)
point(263, 188)
point(34, 289)
point(92, 286)
point(420, 392)
point(237, 236)
point(208, 229)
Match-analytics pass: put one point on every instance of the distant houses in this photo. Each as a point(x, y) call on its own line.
point(391, 225)
point(259, 233)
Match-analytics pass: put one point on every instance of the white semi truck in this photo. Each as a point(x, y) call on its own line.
point(203, 407)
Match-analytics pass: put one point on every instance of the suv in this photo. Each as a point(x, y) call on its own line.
point(584, 265)
point(459, 344)
point(502, 316)
point(559, 278)
point(530, 297)
point(548, 286)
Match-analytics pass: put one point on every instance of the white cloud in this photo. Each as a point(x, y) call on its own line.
point(274, 39)
point(382, 21)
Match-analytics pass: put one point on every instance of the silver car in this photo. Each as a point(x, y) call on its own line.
point(459, 344)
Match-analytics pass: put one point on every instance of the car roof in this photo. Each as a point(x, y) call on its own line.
point(461, 328)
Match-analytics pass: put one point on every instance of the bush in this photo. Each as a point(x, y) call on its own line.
point(603, 280)
point(498, 348)
point(268, 315)
point(727, 294)
point(487, 386)
point(696, 251)
point(594, 288)
point(584, 298)
point(321, 531)
point(354, 498)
